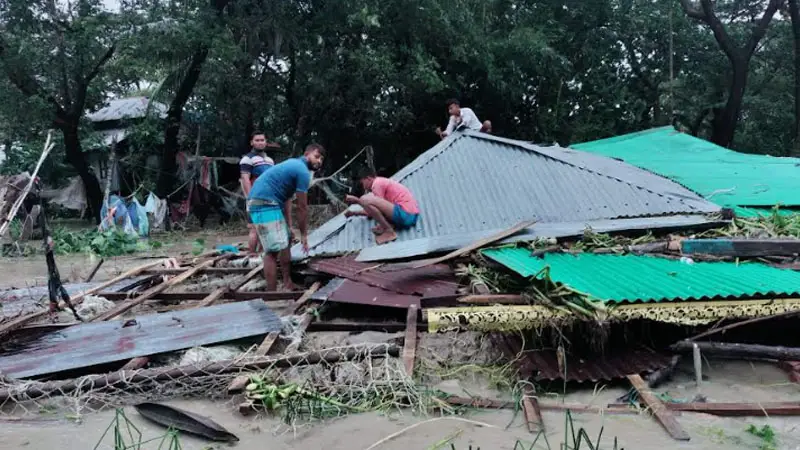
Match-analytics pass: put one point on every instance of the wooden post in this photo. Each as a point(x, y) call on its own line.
point(410, 344)
point(663, 415)
point(18, 203)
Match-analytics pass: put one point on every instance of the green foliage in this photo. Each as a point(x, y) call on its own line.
point(102, 243)
point(124, 435)
point(768, 439)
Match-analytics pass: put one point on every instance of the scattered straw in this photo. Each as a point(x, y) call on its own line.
point(404, 430)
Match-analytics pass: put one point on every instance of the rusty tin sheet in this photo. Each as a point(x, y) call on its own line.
point(98, 343)
point(432, 281)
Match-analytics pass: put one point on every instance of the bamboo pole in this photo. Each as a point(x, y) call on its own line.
point(18, 203)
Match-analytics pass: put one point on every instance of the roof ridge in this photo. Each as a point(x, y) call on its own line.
point(543, 152)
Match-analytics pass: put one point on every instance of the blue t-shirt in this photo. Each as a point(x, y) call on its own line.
point(255, 163)
point(281, 181)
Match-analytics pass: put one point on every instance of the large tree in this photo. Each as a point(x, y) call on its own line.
point(53, 54)
point(726, 118)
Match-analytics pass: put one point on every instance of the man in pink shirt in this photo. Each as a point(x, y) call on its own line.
point(389, 203)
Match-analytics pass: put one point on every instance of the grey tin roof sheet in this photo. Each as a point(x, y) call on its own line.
point(472, 184)
point(127, 108)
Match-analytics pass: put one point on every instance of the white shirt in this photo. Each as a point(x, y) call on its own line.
point(468, 119)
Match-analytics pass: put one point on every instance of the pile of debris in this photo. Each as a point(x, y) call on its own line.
point(560, 265)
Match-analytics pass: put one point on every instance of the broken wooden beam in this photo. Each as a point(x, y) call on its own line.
point(306, 296)
point(250, 275)
point(662, 414)
point(123, 379)
point(480, 402)
point(734, 350)
point(267, 296)
point(94, 271)
point(152, 292)
point(76, 300)
point(207, 271)
point(531, 410)
point(410, 343)
point(754, 409)
point(741, 248)
point(501, 299)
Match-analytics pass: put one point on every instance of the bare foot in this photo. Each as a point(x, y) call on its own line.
point(377, 229)
point(386, 236)
point(289, 287)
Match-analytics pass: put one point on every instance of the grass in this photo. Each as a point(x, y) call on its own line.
point(125, 436)
point(574, 439)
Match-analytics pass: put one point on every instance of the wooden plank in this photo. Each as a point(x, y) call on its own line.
point(267, 296)
point(250, 275)
point(765, 409)
point(139, 362)
point(207, 271)
point(530, 407)
point(304, 323)
point(662, 414)
point(152, 292)
point(734, 350)
point(410, 344)
point(463, 250)
point(742, 248)
point(306, 296)
point(502, 299)
point(76, 300)
point(136, 363)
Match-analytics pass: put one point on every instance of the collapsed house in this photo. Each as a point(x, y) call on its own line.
point(577, 267)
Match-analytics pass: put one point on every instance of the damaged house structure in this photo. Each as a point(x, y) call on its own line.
point(603, 262)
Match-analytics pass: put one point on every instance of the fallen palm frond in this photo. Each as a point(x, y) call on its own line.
point(125, 435)
point(773, 225)
point(591, 241)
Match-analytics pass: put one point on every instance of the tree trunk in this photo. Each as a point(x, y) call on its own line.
point(166, 178)
point(728, 117)
point(76, 157)
point(794, 12)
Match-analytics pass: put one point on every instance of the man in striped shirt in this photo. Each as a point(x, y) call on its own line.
point(253, 164)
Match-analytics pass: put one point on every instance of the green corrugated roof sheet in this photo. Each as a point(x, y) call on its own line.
point(723, 176)
point(631, 278)
point(743, 211)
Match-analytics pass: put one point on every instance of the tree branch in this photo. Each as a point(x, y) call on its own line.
point(693, 11)
point(23, 81)
point(100, 63)
point(761, 27)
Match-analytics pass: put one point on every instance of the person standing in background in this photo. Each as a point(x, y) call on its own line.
point(253, 164)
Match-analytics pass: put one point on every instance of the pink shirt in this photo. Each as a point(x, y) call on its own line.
point(396, 193)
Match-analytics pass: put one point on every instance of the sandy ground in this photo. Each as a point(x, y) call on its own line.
point(22, 272)
point(729, 381)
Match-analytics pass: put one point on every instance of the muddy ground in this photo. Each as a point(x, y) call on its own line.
point(728, 381)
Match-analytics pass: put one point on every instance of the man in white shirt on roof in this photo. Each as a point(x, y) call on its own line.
point(460, 118)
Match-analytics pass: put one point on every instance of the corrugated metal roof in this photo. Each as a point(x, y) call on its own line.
point(431, 281)
point(543, 364)
point(341, 290)
point(723, 176)
point(631, 278)
point(97, 343)
point(473, 184)
point(126, 108)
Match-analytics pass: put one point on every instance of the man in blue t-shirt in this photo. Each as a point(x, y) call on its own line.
point(270, 206)
point(253, 164)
